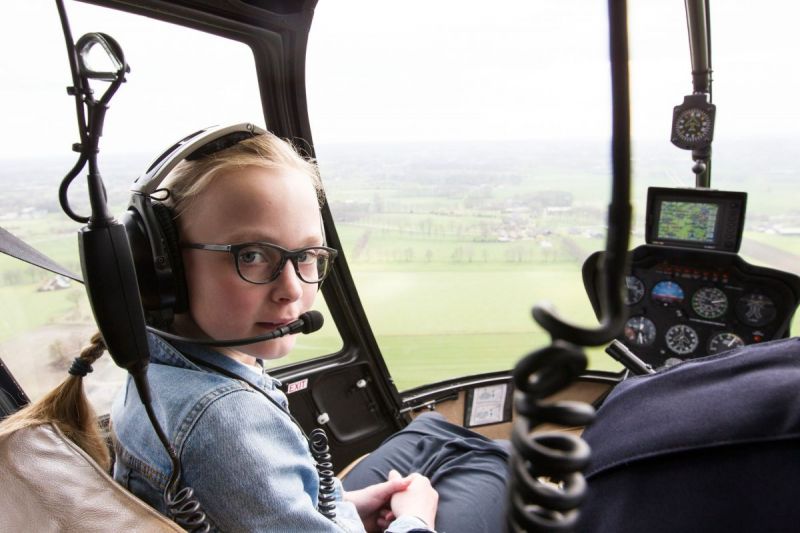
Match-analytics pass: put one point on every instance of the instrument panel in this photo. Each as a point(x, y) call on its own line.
point(684, 304)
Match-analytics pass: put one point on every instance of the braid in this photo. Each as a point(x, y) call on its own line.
point(82, 364)
point(67, 407)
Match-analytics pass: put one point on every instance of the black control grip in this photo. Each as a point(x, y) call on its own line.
point(621, 353)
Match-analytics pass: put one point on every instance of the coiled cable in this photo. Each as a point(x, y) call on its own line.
point(318, 442)
point(185, 510)
point(182, 505)
point(547, 484)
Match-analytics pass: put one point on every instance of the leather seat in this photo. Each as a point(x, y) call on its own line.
point(50, 484)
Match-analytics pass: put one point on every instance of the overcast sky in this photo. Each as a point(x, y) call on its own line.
point(411, 70)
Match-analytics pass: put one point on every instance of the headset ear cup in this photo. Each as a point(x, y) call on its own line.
point(141, 249)
point(169, 231)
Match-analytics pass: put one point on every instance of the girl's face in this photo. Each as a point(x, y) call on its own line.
point(251, 204)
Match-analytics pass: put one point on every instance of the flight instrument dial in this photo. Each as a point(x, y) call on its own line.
point(709, 302)
point(667, 293)
point(682, 339)
point(634, 290)
point(722, 342)
point(640, 331)
point(693, 123)
point(755, 309)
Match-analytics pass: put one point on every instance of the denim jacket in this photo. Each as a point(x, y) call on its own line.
point(247, 461)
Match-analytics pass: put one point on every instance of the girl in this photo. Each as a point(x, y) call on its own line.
point(241, 451)
point(253, 254)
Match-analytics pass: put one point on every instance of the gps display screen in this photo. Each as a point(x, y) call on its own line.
point(700, 218)
point(688, 221)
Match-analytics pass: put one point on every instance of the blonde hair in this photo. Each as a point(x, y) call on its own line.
point(66, 406)
point(190, 178)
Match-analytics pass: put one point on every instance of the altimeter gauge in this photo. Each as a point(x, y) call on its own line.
point(693, 123)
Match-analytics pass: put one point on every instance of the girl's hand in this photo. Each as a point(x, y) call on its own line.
point(419, 499)
point(372, 503)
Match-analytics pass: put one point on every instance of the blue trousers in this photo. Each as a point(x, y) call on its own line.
point(468, 471)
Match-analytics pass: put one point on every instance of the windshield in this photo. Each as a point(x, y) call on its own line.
point(466, 153)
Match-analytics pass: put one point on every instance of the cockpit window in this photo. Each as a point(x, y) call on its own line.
point(466, 152)
point(181, 80)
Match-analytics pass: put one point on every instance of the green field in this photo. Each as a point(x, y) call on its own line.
point(444, 298)
point(434, 319)
point(787, 243)
point(32, 309)
point(457, 323)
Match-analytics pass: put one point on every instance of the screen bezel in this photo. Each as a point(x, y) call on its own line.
point(728, 217)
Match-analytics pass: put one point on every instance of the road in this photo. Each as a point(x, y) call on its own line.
point(771, 256)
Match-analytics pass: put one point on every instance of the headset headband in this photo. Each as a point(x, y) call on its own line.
point(159, 169)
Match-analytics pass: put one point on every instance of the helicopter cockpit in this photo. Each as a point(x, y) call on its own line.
point(465, 163)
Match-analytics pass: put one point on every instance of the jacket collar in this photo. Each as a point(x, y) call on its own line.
point(171, 353)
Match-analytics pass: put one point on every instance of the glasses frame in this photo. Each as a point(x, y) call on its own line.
point(286, 256)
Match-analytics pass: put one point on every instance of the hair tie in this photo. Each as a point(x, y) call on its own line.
point(80, 367)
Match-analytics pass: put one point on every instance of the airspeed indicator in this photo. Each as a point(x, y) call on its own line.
point(634, 290)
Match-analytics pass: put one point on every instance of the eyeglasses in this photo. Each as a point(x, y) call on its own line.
point(263, 262)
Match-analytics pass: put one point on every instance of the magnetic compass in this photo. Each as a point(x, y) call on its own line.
point(693, 123)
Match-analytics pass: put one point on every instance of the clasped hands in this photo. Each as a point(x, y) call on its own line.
point(378, 505)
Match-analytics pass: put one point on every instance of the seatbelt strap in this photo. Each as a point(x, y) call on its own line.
point(16, 247)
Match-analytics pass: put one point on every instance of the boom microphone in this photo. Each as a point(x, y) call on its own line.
point(308, 322)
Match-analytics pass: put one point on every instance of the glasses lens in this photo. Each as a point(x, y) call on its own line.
point(313, 264)
point(258, 263)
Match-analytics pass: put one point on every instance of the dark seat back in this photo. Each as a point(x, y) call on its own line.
point(710, 444)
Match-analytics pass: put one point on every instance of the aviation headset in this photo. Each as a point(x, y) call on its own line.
point(150, 224)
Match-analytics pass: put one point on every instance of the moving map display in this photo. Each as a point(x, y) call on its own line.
point(688, 221)
point(708, 219)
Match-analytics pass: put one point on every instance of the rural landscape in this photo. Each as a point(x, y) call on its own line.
point(450, 246)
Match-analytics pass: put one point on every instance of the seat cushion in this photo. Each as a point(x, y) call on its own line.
point(50, 484)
